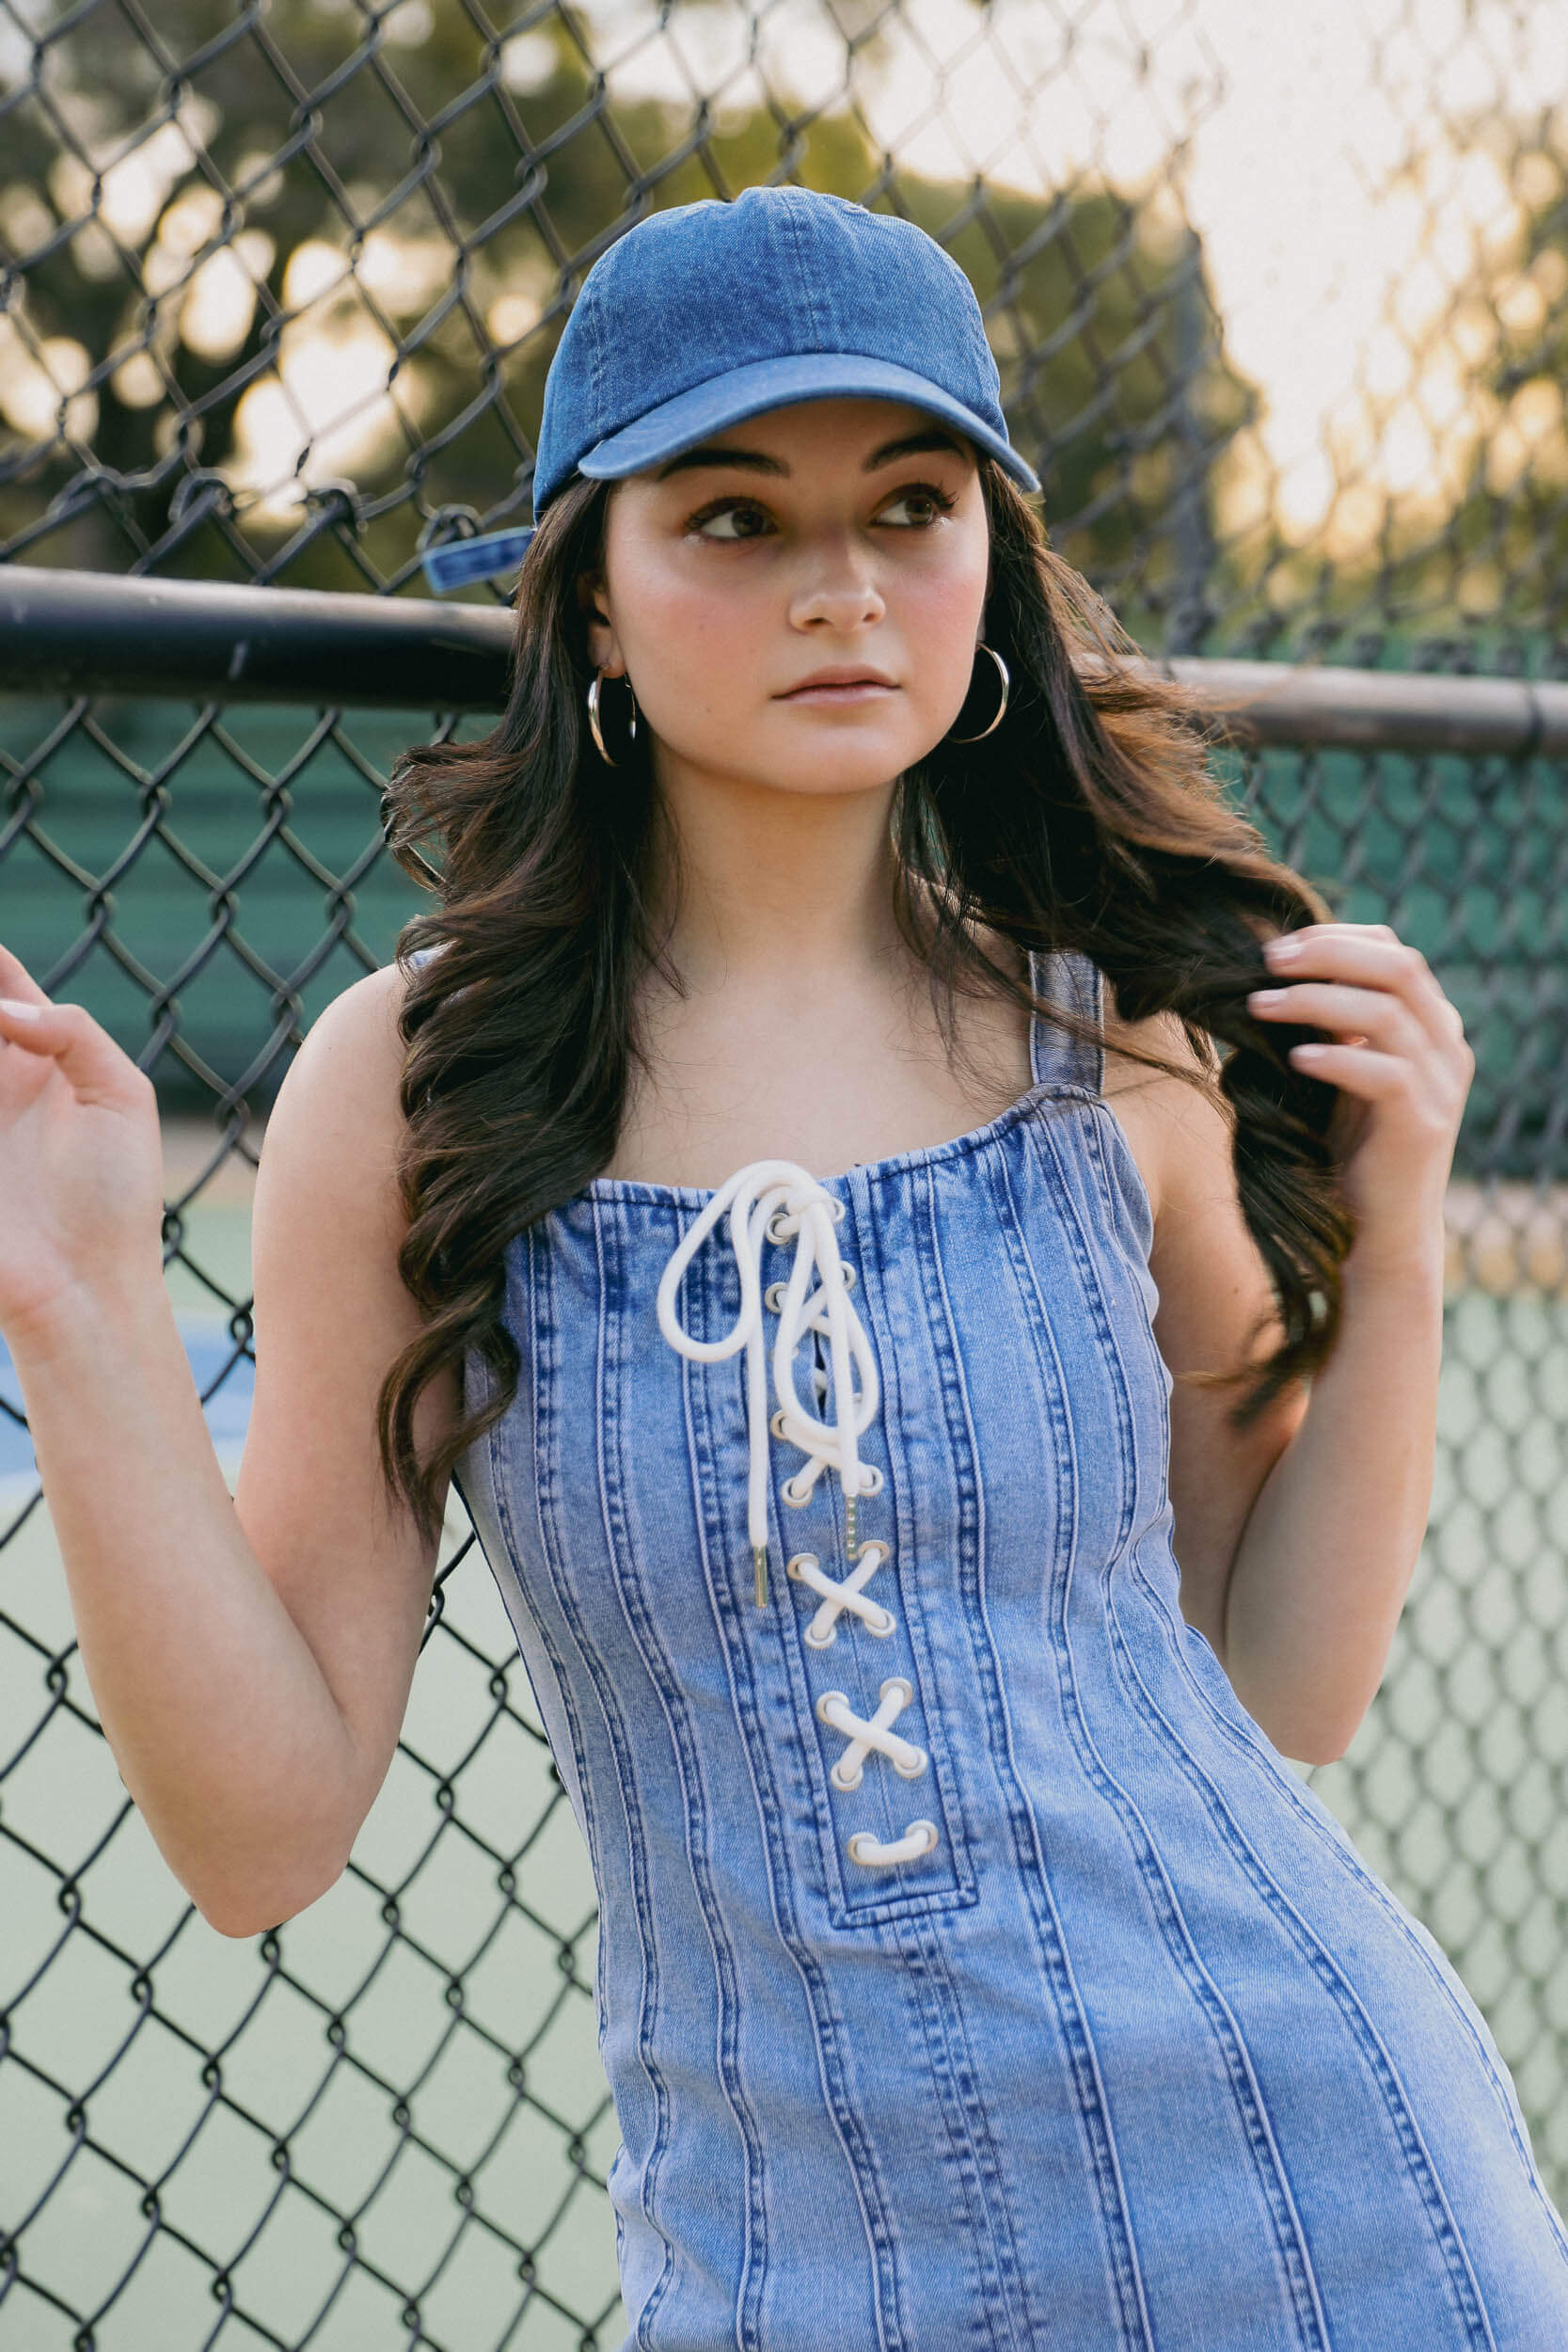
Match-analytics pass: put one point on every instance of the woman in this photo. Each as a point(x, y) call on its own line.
point(755, 1196)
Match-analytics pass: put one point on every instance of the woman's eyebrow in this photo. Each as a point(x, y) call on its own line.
point(757, 461)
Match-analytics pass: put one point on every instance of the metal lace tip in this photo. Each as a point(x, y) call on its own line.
point(851, 1544)
point(759, 1560)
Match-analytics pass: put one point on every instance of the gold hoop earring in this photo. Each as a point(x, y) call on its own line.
point(1006, 688)
point(593, 716)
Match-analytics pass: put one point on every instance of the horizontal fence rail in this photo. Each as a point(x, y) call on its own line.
point(213, 640)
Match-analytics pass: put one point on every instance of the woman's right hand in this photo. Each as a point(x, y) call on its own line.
point(81, 1161)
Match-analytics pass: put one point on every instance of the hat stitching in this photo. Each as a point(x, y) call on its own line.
point(790, 221)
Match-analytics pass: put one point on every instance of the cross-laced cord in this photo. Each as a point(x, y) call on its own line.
point(777, 1200)
point(865, 1734)
point(823, 1630)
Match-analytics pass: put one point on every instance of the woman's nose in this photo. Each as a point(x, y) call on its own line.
point(841, 591)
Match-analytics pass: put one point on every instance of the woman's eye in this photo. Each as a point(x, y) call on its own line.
point(924, 494)
point(717, 514)
point(921, 494)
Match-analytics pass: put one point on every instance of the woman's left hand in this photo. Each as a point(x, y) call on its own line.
point(1401, 1065)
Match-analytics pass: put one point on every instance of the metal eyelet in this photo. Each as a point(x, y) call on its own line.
point(778, 1228)
point(773, 1298)
point(775, 1421)
point(841, 1779)
point(911, 1771)
point(880, 1631)
point(900, 1683)
point(848, 1273)
point(797, 1500)
point(875, 1479)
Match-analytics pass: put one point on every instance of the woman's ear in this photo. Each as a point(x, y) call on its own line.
point(602, 649)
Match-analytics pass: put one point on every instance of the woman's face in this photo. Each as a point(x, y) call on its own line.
point(841, 533)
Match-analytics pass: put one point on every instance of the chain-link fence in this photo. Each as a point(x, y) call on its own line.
point(1285, 340)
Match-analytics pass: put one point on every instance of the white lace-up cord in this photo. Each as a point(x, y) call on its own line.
point(775, 1200)
point(823, 1630)
point(917, 1839)
point(906, 1759)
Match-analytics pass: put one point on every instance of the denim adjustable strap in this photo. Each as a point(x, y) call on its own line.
point(488, 558)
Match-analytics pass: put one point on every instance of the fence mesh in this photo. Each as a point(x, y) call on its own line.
point(278, 288)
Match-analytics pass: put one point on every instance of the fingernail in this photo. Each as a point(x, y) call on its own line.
point(18, 1011)
point(1277, 949)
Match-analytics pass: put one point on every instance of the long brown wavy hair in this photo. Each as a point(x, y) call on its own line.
point(1091, 819)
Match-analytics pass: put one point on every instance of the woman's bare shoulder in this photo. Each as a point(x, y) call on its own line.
point(340, 1104)
point(361, 1026)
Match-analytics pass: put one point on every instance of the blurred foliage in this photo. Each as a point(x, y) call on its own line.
point(467, 189)
point(282, 284)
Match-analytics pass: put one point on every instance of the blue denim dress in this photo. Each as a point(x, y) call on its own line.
point(973, 1971)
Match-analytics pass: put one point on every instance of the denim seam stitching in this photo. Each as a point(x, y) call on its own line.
point(967, 2125)
point(802, 276)
point(553, 1554)
point(1081, 2067)
point(986, 2222)
point(1457, 2268)
point(1036, 1024)
point(1246, 2092)
point(665, 1682)
point(971, 1507)
point(547, 1471)
point(1120, 2241)
point(997, 2204)
point(923, 2031)
point(503, 1519)
point(1253, 1745)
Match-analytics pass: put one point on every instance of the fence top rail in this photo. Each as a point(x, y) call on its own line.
point(79, 633)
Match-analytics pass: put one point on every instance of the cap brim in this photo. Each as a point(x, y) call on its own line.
point(762, 384)
point(485, 558)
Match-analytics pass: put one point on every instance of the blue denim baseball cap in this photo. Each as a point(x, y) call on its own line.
point(711, 312)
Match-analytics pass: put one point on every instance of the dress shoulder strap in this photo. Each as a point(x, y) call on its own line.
point(1070, 978)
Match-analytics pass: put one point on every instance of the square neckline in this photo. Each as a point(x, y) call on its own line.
point(634, 1190)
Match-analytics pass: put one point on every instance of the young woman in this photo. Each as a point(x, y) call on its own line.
point(947, 1431)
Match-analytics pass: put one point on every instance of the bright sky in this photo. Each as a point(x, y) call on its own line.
point(1336, 282)
point(1339, 209)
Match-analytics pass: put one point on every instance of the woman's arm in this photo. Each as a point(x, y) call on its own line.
point(1300, 1538)
point(1330, 1544)
point(250, 1658)
point(1325, 1560)
point(1215, 1311)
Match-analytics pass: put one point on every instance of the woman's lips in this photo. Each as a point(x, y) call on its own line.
point(861, 691)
